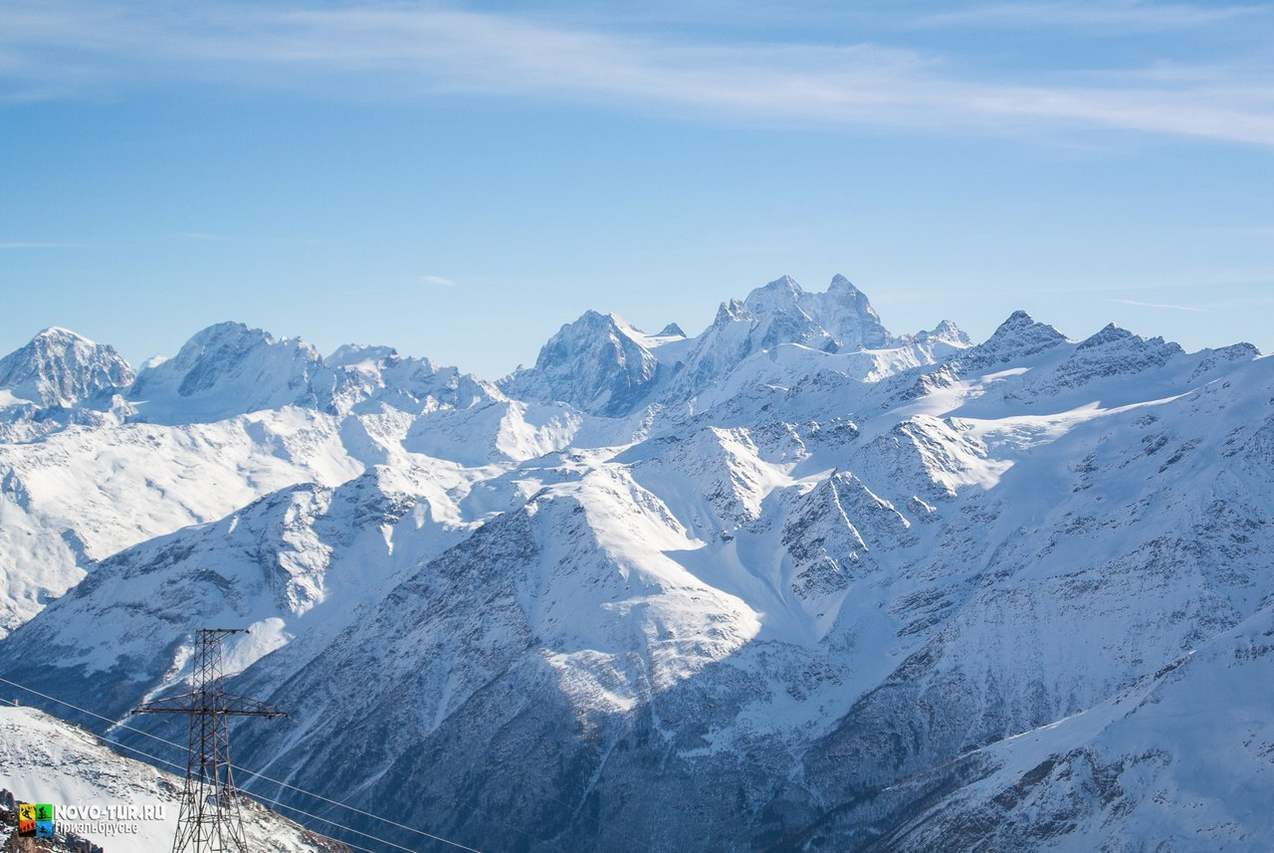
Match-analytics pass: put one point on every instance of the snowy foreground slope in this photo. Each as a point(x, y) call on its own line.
point(796, 582)
point(44, 760)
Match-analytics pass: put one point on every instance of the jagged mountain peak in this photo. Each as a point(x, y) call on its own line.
point(60, 333)
point(1019, 336)
point(944, 338)
point(671, 330)
point(1018, 318)
point(59, 367)
point(1107, 334)
point(838, 319)
point(589, 323)
point(1115, 335)
point(226, 369)
point(598, 363)
point(783, 288)
point(351, 354)
point(1109, 352)
point(231, 331)
point(948, 328)
point(730, 311)
point(230, 340)
point(844, 289)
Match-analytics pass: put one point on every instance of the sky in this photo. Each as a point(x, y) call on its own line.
point(460, 180)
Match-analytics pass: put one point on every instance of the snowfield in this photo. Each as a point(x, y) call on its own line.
point(795, 583)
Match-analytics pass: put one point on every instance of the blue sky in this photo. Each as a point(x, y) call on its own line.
point(459, 180)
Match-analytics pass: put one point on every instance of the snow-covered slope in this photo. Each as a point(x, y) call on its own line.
point(294, 567)
point(1179, 760)
point(366, 379)
point(44, 760)
point(236, 415)
point(792, 583)
point(82, 494)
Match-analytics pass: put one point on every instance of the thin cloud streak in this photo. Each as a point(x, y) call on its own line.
point(1161, 305)
point(201, 236)
point(356, 51)
point(1120, 15)
point(437, 281)
point(19, 245)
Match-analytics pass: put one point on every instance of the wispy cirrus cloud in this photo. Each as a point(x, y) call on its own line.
point(201, 236)
point(19, 245)
point(1166, 306)
point(369, 49)
point(437, 281)
point(1125, 16)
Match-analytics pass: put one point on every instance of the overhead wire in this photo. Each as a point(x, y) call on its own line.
point(251, 772)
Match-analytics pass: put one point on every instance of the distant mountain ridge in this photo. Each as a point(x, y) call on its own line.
point(604, 366)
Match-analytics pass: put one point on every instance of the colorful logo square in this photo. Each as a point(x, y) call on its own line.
point(26, 820)
point(35, 820)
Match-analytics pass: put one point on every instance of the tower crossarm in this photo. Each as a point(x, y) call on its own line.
point(227, 704)
point(210, 820)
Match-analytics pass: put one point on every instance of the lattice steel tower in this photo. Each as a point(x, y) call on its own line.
point(209, 820)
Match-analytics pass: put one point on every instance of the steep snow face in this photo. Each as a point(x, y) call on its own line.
point(1112, 351)
point(497, 432)
point(782, 313)
point(596, 364)
point(929, 458)
point(361, 379)
point(603, 366)
point(714, 479)
point(295, 567)
point(827, 551)
point(80, 495)
point(61, 368)
point(45, 760)
point(848, 316)
point(584, 617)
point(839, 319)
point(227, 370)
point(834, 331)
point(1016, 339)
point(944, 339)
point(1146, 766)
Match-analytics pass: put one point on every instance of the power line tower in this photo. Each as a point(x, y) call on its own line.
point(209, 820)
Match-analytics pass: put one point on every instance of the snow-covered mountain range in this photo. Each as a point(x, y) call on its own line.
point(796, 582)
